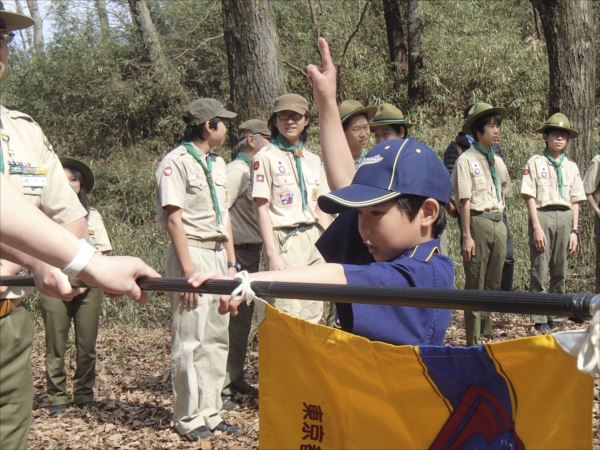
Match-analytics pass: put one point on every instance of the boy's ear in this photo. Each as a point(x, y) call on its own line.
point(430, 210)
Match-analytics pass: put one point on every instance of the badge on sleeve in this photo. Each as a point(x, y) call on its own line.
point(260, 178)
point(256, 165)
point(167, 171)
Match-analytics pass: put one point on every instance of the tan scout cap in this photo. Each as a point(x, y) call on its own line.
point(291, 102)
point(255, 126)
point(351, 108)
point(84, 169)
point(478, 110)
point(561, 122)
point(10, 21)
point(388, 114)
point(203, 109)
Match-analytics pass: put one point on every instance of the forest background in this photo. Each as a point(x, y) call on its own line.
point(106, 91)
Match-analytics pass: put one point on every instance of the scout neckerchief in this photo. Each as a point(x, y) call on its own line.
point(557, 165)
point(491, 159)
point(284, 145)
point(207, 167)
point(243, 156)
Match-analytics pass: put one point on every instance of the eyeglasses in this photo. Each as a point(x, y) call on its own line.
point(7, 37)
point(284, 116)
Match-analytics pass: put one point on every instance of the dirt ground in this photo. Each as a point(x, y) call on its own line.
point(133, 393)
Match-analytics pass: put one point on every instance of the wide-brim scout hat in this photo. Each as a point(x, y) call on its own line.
point(560, 122)
point(291, 102)
point(84, 169)
point(478, 110)
point(388, 114)
point(254, 126)
point(203, 109)
point(351, 108)
point(10, 21)
point(389, 170)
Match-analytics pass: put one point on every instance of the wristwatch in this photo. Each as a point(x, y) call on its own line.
point(575, 231)
point(236, 265)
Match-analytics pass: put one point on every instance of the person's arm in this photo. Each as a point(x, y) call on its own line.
point(78, 228)
point(574, 237)
point(335, 151)
point(539, 237)
point(468, 249)
point(592, 202)
point(265, 226)
point(229, 247)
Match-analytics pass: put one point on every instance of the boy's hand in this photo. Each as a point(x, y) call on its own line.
point(323, 78)
point(468, 248)
point(539, 239)
point(276, 263)
point(226, 303)
point(573, 239)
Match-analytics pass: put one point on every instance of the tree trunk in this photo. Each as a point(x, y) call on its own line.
point(102, 17)
point(569, 32)
point(38, 28)
point(396, 41)
point(141, 16)
point(416, 91)
point(26, 33)
point(256, 76)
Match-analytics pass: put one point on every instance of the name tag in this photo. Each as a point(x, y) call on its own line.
point(34, 181)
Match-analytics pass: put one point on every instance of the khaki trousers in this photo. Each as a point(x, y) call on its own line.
point(239, 326)
point(297, 249)
point(16, 380)
point(484, 271)
point(552, 263)
point(84, 311)
point(199, 345)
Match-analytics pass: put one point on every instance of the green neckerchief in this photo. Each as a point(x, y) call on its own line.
point(207, 167)
point(1, 160)
point(243, 156)
point(284, 145)
point(491, 159)
point(557, 165)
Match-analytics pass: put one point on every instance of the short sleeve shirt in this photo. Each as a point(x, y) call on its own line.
point(591, 181)
point(181, 182)
point(275, 178)
point(33, 167)
point(97, 231)
point(540, 181)
point(472, 179)
point(243, 216)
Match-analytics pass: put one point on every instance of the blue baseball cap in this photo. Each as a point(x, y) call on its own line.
point(389, 170)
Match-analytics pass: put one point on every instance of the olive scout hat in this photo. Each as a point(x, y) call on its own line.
point(84, 169)
point(478, 110)
point(388, 114)
point(389, 170)
point(203, 109)
point(351, 108)
point(559, 121)
point(10, 21)
point(255, 126)
point(291, 102)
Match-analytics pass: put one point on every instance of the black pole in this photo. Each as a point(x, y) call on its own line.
point(580, 306)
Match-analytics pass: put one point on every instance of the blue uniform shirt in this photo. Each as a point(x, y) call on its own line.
point(422, 266)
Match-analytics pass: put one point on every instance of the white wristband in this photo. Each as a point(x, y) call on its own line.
point(81, 259)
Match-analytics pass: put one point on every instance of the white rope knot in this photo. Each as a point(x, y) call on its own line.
point(244, 289)
point(588, 358)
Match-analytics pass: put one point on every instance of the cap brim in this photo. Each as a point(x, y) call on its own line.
point(296, 109)
point(353, 197)
point(225, 114)
point(14, 21)
point(380, 123)
point(369, 111)
point(86, 172)
point(572, 132)
point(467, 125)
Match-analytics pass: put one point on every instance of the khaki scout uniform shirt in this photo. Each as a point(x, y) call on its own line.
point(243, 217)
point(97, 231)
point(591, 181)
point(540, 182)
point(472, 179)
point(36, 171)
point(181, 182)
point(275, 178)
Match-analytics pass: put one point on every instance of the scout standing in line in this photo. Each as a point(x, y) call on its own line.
point(480, 182)
point(355, 121)
point(192, 205)
point(84, 310)
point(389, 123)
point(33, 168)
point(552, 189)
point(254, 135)
point(288, 179)
point(591, 184)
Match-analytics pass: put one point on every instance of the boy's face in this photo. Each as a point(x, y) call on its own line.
point(491, 134)
point(556, 140)
point(387, 231)
point(387, 133)
point(357, 133)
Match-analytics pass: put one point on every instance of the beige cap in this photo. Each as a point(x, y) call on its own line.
point(255, 126)
point(351, 108)
point(291, 102)
point(10, 21)
point(561, 122)
point(203, 109)
point(388, 114)
point(478, 110)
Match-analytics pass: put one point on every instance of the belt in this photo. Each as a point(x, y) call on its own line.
point(555, 208)
point(291, 231)
point(491, 215)
point(208, 244)
point(250, 247)
point(8, 305)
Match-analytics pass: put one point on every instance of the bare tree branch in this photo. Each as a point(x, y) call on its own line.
point(359, 23)
point(296, 68)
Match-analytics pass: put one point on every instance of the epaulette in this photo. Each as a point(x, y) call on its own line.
point(14, 114)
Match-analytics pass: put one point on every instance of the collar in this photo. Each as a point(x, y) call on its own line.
point(423, 251)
